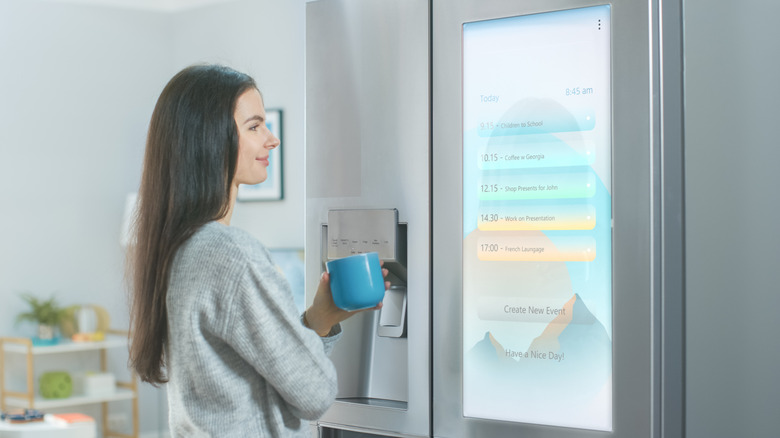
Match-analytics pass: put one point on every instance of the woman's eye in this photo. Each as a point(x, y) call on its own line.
point(254, 127)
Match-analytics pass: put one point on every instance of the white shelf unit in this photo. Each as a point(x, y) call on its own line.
point(66, 346)
point(27, 399)
point(76, 400)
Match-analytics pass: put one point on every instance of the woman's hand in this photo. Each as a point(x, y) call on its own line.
point(324, 314)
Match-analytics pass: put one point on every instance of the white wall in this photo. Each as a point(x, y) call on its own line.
point(733, 244)
point(77, 87)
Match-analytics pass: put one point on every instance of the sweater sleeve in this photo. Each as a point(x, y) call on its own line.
point(264, 328)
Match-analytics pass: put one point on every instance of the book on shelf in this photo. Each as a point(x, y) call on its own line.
point(17, 416)
point(70, 418)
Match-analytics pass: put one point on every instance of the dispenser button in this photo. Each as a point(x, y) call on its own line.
point(393, 307)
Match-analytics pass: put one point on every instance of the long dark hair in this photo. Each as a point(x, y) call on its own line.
point(190, 161)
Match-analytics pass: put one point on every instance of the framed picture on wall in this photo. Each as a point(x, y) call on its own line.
point(271, 188)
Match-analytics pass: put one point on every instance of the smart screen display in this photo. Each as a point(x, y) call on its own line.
point(537, 216)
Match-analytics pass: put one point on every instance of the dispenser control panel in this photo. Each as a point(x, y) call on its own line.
point(360, 231)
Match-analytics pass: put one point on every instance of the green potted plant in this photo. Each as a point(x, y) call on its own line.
point(47, 314)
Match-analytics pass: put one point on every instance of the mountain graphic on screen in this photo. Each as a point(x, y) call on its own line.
point(574, 349)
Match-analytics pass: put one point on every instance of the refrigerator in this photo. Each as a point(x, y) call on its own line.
point(518, 167)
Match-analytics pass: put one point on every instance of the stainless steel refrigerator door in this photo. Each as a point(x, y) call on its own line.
point(368, 147)
point(636, 140)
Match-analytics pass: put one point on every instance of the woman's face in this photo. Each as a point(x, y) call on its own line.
point(255, 141)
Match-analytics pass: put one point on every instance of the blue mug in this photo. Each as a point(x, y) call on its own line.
point(356, 281)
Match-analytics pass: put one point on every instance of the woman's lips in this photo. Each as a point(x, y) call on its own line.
point(263, 160)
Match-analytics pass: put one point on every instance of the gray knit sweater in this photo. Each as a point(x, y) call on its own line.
point(239, 361)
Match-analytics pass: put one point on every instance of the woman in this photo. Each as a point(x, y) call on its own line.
point(210, 313)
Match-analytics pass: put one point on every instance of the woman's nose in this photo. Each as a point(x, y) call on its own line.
point(273, 142)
